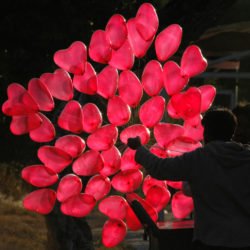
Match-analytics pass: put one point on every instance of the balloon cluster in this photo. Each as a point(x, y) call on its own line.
point(97, 155)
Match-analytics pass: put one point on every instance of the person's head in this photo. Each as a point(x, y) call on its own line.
point(242, 132)
point(219, 125)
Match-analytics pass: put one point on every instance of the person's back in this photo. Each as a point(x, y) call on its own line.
point(219, 176)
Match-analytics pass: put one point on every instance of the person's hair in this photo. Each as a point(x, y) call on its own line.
point(219, 124)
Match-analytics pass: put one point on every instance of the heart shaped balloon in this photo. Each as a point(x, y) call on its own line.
point(87, 82)
point(40, 201)
point(89, 163)
point(128, 160)
point(59, 84)
point(73, 58)
point(149, 182)
point(79, 205)
point(69, 186)
point(208, 93)
point(39, 175)
point(159, 151)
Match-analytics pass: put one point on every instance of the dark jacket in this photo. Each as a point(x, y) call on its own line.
point(219, 176)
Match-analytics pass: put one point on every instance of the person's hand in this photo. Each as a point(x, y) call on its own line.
point(134, 143)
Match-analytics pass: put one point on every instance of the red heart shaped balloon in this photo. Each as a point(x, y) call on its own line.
point(59, 84)
point(128, 160)
point(138, 44)
point(168, 41)
point(151, 111)
point(89, 163)
point(40, 201)
point(98, 186)
point(149, 182)
point(113, 232)
point(103, 138)
point(127, 181)
point(72, 59)
point(107, 82)
point(69, 186)
point(114, 206)
point(122, 58)
point(70, 118)
point(54, 158)
point(147, 21)
point(159, 151)
point(100, 47)
point(152, 79)
point(24, 123)
point(39, 175)
point(173, 80)
point(181, 205)
point(129, 88)
point(118, 111)
point(175, 184)
point(79, 205)
point(193, 132)
point(192, 62)
point(45, 132)
point(41, 94)
point(72, 144)
point(19, 102)
point(112, 161)
point(172, 112)
point(133, 131)
point(116, 31)
point(164, 133)
point(87, 82)
point(208, 93)
point(92, 117)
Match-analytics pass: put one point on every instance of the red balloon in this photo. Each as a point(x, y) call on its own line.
point(45, 132)
point(116, 31)
point(174, 81)
point(70, 118)
point(193, 132)
point(164, 133)
point(192, 62)
point(87, 82)
point(103, 138)
point(187, 104)
point(113, 232)
point(72, 144)
point(181, 205)
point(118, 111)
point(59, 84)
point(54, 158)
point(127, 181)
point(79, 205)
point(89, 163)
point(128, 160)
point(73, 58)
point(130, 88)
point(133, 131)
point(41, 94)
point(100, 47)
point(172, 112)
point(151, 111)
point(112, 161)
point(147, 21)
point(23, 124)
point(208, 93)
point(114, 206)
point(19, 102)
point(40, 201)
point(122, 58)
point(92, 117)
point(132, 221)
point(159, 151)
point(138, 44)
point(149, 182)
point(98, 186)
point(39, 175)
point(152, 79)
point(69, 186)
point(168, 41)
point(107, 82)
point(175, 184)
point(158, 197)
